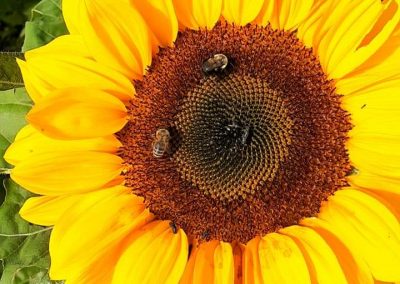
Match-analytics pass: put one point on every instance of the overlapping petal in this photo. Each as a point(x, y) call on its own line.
point(162, 256)
point(58, 173)
point(323, 265)
point(114, 32)
point(78, 113)
point(30, 142)
point(354, 267)
point(388, 196)
point(65, 44)
point(285, 14)
point(241, 12)
point(63, 63)
point(47, 210)
point(165, 29)
point(104, 218)
point(196, 14)
point(251, 262)
point(275, 258)
point(210, 262)
point(366, 26)
point(368, 227)
point(379, 69)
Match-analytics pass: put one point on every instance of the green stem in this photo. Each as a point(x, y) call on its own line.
point(27, 234)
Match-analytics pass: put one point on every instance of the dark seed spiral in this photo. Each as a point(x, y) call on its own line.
point(235, 132)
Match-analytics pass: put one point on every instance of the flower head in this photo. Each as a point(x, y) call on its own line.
point(216, 141)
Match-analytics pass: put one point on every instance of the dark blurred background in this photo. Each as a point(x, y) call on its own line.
point(13, 15)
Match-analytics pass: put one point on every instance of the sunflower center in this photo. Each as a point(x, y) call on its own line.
point(235, 132)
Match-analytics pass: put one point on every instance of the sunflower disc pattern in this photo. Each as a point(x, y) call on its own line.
point(234, 134)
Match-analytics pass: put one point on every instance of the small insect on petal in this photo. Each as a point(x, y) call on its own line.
point(173, 227)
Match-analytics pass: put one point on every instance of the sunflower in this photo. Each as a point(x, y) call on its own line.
point(216, 141)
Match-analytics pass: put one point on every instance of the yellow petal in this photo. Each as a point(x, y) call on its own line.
point(241, 12)
point(354, 267)
point(30, 142)
point(69, 50)
point(375, 111)
point(114, 32)
point(379, 97)
point(104, 217)
point(165, 29)
point(266, 13)
point(323, 265)
point(368, 180)
point(373, 156)
point(207, 12)
point(77, 113)
point(385, 190)
point(366, 26)
point(58, 173)
point(187, 277)
point(251, 262)
point(319, 21)
point(355, 22)
point(46, 210)
point(365, 225)
point(184, 13)
point(223, 263)
point(288, 14)
point(65, 44)
point(281, 260)
point(195, 14)
point(389, 198)
point(32, 83)
point(93, 271)
point(378, 69)
point(162, 256)
point(210, 262)
point(50, 67)
point(372, 107)
point(362, 41)
point(70, 9)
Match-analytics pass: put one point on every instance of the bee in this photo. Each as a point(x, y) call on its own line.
point(161, 143)
point(216, 63)
point(173, 227)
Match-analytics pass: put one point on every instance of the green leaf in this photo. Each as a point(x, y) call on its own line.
point(14, 104)
point(10, 75)
point(13, 15)
point(3, 147)
point(24, 253)
point(45, 25)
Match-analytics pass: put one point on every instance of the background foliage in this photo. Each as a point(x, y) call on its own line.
point(13, 15)
point(24, 256)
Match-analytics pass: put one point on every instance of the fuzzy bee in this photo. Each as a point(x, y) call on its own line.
point(216, 63)
point(161, 143)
